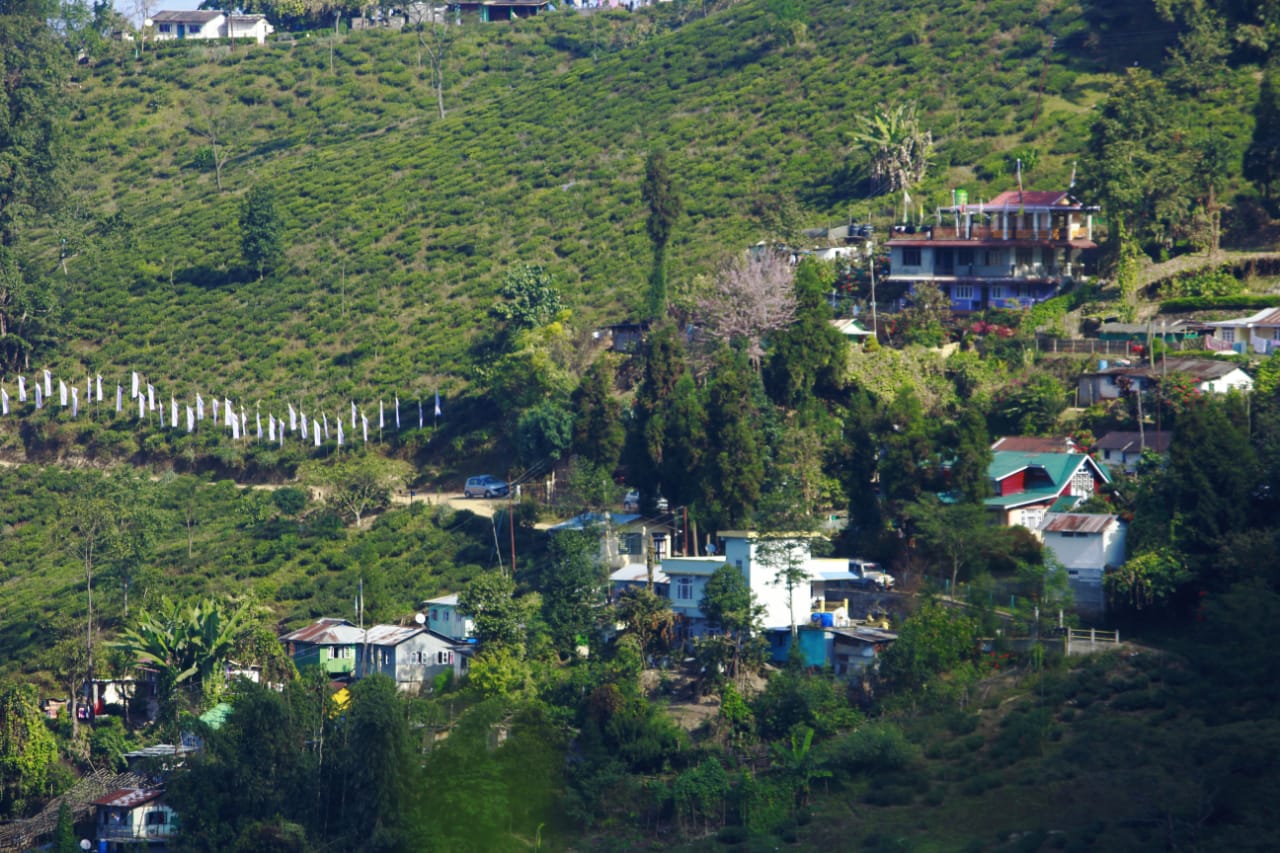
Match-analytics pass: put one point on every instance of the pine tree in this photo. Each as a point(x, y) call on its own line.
point(665, 207)
point(1262, 158)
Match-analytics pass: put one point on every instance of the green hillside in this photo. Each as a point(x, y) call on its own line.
point(399, 225)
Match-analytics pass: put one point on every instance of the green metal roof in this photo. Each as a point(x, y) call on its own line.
point(1066, 503)
point(1027, 497)
point(1059, 466)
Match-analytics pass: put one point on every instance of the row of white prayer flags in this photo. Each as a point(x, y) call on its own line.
point(237, 423)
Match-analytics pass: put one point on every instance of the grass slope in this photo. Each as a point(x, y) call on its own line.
point(400, 224)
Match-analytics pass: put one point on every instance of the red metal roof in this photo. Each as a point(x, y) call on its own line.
point(1076, 522)
point(1033, 444)
point(128, 798)
point(1031, 198)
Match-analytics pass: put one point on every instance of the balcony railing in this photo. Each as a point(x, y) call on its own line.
point(124, 832)
point(981, 232)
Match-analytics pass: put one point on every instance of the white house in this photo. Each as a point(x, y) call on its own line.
point(411, 656)
point(128, 818)
point(1259, 332)
point(759, 558)
point(1085, 545)
point(444, 618)
point(210, 24)
point(1123, 448)
point(1112, 382)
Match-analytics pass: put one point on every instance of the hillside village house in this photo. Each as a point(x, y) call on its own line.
point(133, 819)
point(1018, 249)
point(1121, 449)
point(749, 552)
point(624, 542)
point(1025, 486)
point(444, 618)
point(1086, 546)
point(1259, 332)
point(1110, 382)
point(412, 656)
point(210, 24)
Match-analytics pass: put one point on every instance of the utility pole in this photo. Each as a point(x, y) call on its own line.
point(871, 267)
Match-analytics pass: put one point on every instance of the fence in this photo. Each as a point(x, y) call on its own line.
point(1047, 344)
point(1083, 641)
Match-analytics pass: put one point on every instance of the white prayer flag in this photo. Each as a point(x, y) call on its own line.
point(162, 417)
point(280, 433)
point(213, 408)
point(133, 391)
point(353, 411)
point(22, 389)
point(75, 402)
point(304, 426)
point(382, 422)
point(151, 397)
point(271, 427)
point(316, 433)
point(228, 413)
point(244, 424)
point(397, 413)
point(339, 432)
point(119, 398)
point(88, 389)
point(4, 402)
point(235, 429)
point(142, 407)
point(325, 416)
point(199, 408)
point(419, 414)
point(48, 384)
point(62, 394)
point(39, 401)
point(191, 419)
point(173, 411)
point(293, 419)
point(99, 387)
point(438, 413)
point(364, 422)
point(257, 416)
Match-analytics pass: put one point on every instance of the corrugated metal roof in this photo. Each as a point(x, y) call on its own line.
point(326, 631)
point(1200, 368)
point(1030, 198)
point(1035, 444)
point(637, 573)
point(1076, 522)
point(128, 798)
point(450, 599)
point(390, 635)
point(1124, 440)
point(186, 17)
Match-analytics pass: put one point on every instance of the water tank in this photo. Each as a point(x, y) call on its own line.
point(1102, 364)
point(828, 620)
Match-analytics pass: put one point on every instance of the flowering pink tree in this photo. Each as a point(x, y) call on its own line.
point(753, 294)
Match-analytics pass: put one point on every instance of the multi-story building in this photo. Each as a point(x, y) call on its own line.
point(1018, 249)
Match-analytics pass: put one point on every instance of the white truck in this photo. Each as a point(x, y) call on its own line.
point(869, 575)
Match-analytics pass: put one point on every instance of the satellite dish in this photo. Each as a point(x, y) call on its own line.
point(420, 618)
point(85, 844)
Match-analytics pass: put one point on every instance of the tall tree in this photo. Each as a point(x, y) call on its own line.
point(665, 207)
point(261, 231)
point(735, 459)
point(435, 39)
point(969, 479)
point(598, 432)
point(752, 296)
point(808, 354)
point(685, 437)
point(646, 443)
point(489, 601)
point(572, 584)
point(1262, 158)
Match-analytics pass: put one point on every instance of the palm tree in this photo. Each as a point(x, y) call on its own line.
point(900, 151)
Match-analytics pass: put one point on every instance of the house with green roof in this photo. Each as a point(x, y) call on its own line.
point(1024, 486)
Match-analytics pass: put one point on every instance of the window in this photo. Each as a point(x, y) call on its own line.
point(684, 589)
point(1228, 335)
point(166, 28)
point(444, 615)
point(993, 258)
point(443, 658)
point(157, 818)
point(434, 615)
point(911, 257)
point(632, 543)
point(964, 257)
point(962, 291)
point(1082, 483)
point(1024, 256)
